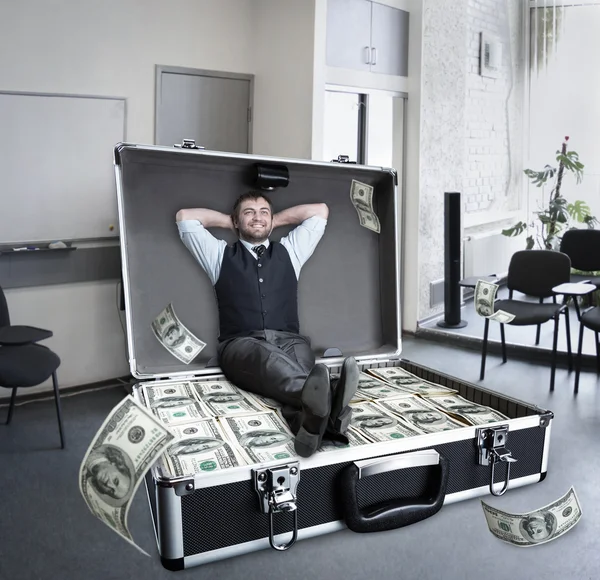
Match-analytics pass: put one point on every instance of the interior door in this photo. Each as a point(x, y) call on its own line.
point(211, 108)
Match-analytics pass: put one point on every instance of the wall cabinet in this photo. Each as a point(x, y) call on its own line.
point(367, 36)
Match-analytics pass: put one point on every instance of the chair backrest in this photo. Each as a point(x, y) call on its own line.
point(536, 272)
point(4, 317)
point(583, 247)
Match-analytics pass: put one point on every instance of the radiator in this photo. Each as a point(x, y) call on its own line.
point(489, 253)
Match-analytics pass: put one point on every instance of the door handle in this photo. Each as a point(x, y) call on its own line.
point(367, 54)
point(373, 56)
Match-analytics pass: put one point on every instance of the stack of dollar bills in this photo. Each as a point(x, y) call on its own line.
point(218, 426)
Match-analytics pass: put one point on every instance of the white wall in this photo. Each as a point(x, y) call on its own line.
point(283, 43)
point(109, 47)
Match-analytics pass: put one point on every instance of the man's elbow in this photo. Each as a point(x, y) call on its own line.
point(181, 215)
point(322, 210)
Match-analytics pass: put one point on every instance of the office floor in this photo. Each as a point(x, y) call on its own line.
point(47, 532)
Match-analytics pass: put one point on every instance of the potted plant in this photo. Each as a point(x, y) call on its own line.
point(558, 214)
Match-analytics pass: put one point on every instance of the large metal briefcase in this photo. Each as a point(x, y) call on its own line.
point(349, 304)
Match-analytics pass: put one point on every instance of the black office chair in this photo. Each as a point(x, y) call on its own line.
point(23, 362)
point(583, 248)
point(590, 318)
point(534, 273)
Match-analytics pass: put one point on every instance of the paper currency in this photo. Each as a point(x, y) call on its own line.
point(378, 425)
point(536, 527)
point(409, 383)
point(224, 398)
point(174, 404)
point(485, 296)
point(372, 388)
point(470, 413)
point(175, 337)
point(127, 444)
point(355, 439)
point(261, 437)
point(361, 196)
point(267, 402)
point(420, 414)
point(200, 447)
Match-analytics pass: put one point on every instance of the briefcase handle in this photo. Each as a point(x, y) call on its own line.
point(395, 513)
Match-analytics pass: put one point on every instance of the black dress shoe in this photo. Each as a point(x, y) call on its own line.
point(344, 389)
point(316, 409)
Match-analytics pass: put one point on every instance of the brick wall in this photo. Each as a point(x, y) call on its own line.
point(492, 139)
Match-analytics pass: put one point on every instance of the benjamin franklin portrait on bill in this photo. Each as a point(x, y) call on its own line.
point(111, 473)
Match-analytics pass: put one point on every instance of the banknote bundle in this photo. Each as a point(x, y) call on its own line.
point(419, 414)
point(174, 403)
point(466, 411)
point(370, 388)
point(361, 196)
point(408, 383)
point(378, 424)
point(200, 447)
point(176, 337)
point(260, 437)
point(224, 398)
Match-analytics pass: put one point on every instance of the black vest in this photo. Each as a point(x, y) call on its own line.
point(256, 294)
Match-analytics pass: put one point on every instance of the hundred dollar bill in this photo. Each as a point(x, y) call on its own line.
point(267, 403)
point(409, 383)
point(127, 444)
point(261, 437)
point(485, 296)
point(175, 403)
point(224, 398)
point(420, 414)
point(372, 388)
point(175, 337)
point(200, 447)
point(470, 413)
point(378, 425)
point(361, 196)
point(355, 439)
point(536, 527)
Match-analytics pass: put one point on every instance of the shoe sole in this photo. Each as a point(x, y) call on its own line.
point(346, 387)
point(342, 422)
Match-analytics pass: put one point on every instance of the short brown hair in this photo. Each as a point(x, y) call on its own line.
point(248, 195)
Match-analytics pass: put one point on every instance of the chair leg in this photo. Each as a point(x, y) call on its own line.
point(539, 327)
point(568, 327)
point(484, 348)
point(597, 354)
point(579, 349)
point(503, 343)
point(554, 347)
point(58, 411)
point(11, 408)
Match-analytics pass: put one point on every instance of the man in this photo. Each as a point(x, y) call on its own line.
point(260, 346)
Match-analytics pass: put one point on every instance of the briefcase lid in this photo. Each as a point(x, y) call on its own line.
point(348, 291)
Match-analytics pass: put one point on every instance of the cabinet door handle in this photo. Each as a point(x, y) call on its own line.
point(373, 56)
point(367, 54)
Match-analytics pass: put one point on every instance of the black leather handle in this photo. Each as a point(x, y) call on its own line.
point(395, 513)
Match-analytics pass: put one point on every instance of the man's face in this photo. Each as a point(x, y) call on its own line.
point(537, 529)
point(254, 220)
point(111, 481)
point(172, 335)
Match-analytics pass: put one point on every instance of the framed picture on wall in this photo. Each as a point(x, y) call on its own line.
point(490, 55)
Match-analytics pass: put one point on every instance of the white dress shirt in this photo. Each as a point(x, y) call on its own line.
point(208, 250)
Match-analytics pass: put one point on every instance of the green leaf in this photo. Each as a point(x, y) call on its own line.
point(570, 161)
point(540, 177)
point(516, 230)
point(579, 211)
point(529, 243)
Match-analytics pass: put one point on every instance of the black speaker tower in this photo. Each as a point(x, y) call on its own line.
point(452, 251)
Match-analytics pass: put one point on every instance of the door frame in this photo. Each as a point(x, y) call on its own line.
point(160, 69)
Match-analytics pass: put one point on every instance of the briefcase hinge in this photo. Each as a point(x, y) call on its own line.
point(491, 443)
point(276, 488)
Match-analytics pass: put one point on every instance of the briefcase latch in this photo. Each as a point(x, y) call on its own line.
point(491, 442)
point(276, 489)
point(188, 144)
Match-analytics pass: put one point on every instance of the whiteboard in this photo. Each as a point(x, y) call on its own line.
point(57, 179)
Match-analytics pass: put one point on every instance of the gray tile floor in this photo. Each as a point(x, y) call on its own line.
point(47, 533)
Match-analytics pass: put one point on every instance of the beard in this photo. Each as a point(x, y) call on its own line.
point(254, 235)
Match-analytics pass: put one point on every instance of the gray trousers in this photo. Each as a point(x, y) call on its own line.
point(271, 363)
